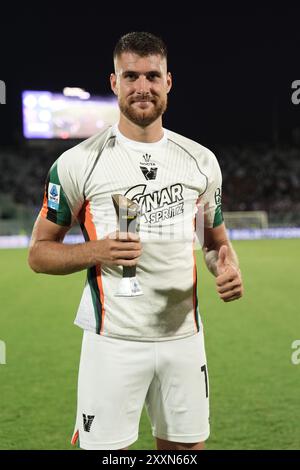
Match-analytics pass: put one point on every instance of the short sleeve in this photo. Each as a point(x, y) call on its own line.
point(55, 204)
point(212, 198)
point(64, 189)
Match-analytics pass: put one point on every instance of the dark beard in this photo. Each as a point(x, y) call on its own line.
point(140, 120)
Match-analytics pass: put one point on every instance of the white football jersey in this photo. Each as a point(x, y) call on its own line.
point(167, 179)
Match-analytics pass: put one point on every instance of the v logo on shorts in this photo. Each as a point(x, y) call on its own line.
point(87, 422)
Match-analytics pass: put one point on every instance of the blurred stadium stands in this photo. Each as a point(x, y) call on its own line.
point(255, 177)
point(262, 177)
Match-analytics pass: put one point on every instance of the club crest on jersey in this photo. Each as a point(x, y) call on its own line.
point(53, 196)
point(149, 169)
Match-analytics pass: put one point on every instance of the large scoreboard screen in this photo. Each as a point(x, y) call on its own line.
point(48, 115)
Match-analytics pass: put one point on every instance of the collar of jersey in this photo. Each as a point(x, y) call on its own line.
point(139, 145)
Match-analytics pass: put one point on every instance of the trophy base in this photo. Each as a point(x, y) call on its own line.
point(129, 287)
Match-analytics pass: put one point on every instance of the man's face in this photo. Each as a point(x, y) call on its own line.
point(141, 85)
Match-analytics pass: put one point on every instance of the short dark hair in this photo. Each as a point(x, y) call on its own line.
point(140, 43)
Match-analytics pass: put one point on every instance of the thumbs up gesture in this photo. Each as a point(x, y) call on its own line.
point(229, 280)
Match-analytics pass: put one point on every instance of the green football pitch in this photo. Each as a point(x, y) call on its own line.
point(254, 386)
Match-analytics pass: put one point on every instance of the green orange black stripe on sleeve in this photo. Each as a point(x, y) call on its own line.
point(55, 208)
point(218, 219)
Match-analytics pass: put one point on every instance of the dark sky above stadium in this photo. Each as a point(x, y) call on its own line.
point(232, 71)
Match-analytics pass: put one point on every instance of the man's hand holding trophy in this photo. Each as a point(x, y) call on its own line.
point(128, 215)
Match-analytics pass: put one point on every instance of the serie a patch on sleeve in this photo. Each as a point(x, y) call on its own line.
point(53, 196)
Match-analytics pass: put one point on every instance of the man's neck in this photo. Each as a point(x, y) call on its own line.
point(152, 133)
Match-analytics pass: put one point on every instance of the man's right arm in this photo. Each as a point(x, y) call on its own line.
point(49, 255)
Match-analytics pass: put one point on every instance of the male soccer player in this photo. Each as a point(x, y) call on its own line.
point(147, 349)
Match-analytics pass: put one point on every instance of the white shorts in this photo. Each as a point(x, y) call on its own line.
point(116, 378)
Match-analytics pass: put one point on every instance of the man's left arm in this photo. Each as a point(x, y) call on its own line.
point(222, 262)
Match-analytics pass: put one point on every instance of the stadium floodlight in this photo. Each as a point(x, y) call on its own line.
point(78, 92)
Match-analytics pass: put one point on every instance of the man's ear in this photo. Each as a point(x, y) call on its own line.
point(169, 81)
point(113, 83)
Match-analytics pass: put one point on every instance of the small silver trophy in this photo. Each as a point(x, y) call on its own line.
point(127, 213)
